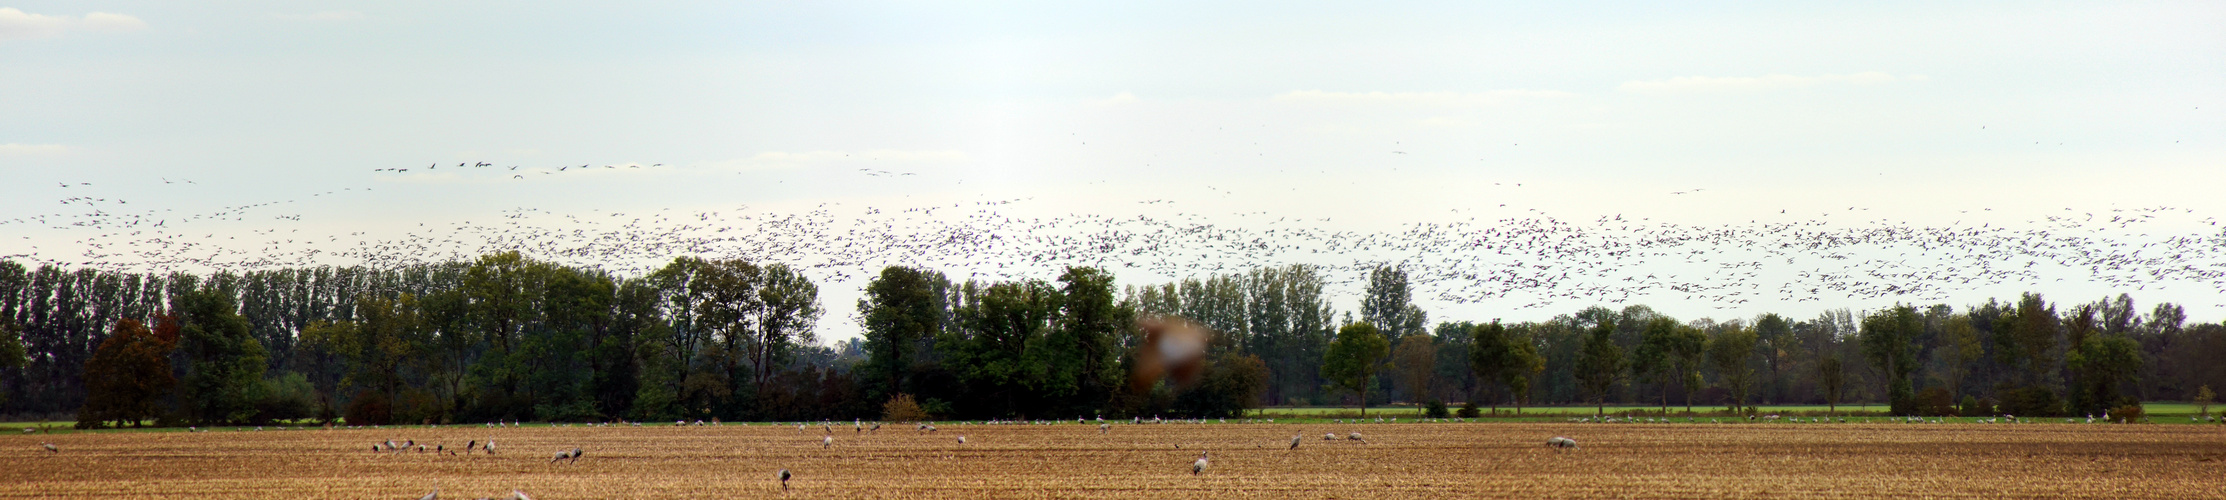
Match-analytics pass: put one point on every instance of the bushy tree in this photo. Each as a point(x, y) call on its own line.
point(226, 361)
point(1232, 384)
point(1499, 356)
point(1729, 353)
point(1351, 361)
point(1600, 363)
point(1415, 360)
point(903, 311)
point(1889, 340)
point(127, 378)
point(1831, 380)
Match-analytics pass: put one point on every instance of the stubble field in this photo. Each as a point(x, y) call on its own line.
point(1444, 460)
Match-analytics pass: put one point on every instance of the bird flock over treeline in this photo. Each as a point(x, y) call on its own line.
point(1535, 257)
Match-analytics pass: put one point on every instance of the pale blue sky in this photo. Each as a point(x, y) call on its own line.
point(1375, 116)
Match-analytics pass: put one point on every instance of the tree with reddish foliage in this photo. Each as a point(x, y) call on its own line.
point(127, 377)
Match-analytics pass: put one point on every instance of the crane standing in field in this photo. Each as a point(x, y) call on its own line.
point(1295, 441)
point(1198, 467)
point(50, 448)
point(784, 479)
point(1559, 443)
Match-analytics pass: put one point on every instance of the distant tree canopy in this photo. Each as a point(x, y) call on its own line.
point(508, 337)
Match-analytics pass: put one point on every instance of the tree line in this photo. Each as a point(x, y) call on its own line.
point(507, 337)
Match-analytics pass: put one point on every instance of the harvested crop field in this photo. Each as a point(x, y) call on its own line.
point(1446, 460)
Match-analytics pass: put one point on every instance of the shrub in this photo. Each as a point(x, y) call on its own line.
point(902, 408)
point(369, 408)
point(2031, 402)
point(1468, 410)
point(2129, 410)
point(1935, 402)
point(1436, 409)
point(287, 397)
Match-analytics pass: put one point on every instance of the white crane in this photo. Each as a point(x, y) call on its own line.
point(435, 495)
point(1356, 437)
point(827, 442)
point(784, 479)
point(50, 448)
point(962, 440)
point(1199, 466)
point(1294, 441)
point(1327, 436)
point(490, 446)
point(1559, 443)
point(1102, 428)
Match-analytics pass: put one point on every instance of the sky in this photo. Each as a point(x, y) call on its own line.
point(272, 118)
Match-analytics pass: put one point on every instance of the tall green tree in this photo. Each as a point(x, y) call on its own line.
point(1388, 304)
point(1669, 353)
point(1353, 358)
point(1729, 352)
point(1500, 356)
point(1831, 380)
point(989, 345)
point(1890, 341)
point(1600, 363)
point(904, 309)
point(2028, 338)
point(11, 350)
point(1780, 350)
point(1082, 353)
point(2101, 362)
point(1415, 360)
point(788, 309)
point(1959, 348)
point(225, 360)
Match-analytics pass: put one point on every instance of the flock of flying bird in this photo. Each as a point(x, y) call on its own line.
point(1532, 257)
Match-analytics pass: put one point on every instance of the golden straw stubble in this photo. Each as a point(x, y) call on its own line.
point(1141, 461)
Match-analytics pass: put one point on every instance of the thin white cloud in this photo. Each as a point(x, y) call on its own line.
point(13, 149)
point(1747, 84)
point(1438, 99)
point(329, 15)
point(16, 24)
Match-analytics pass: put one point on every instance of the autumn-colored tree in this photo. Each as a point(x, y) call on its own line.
point(127, 378)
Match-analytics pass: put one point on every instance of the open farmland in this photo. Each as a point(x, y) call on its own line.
point(1143, 461)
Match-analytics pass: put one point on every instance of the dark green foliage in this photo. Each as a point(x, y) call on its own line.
point(1889, 340)
point(1505, 359)
point(904, 310)
point(509, 337)
point(286, 397)
point(1933, 402)
point(225, 361)
point(1435, 409)
point(1232, 384)
point(1469, 410)
point(1351, 361)
point(1600, 363)
point(2031, 402)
